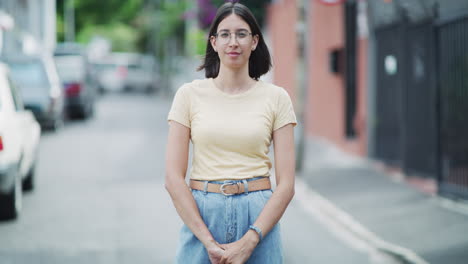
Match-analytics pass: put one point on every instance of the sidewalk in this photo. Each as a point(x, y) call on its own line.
point(403, 219)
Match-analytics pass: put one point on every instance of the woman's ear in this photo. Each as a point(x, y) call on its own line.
point(254, 42)
point(213, 43)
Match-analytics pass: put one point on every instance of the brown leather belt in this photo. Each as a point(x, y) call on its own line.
point(232, 188)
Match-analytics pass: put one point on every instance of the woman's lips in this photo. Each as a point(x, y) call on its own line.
point(233, 54)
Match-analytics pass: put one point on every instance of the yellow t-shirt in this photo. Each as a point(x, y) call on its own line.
point(231, 134)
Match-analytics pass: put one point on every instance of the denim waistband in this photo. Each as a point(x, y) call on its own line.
point(244, 182)
point(235, 181)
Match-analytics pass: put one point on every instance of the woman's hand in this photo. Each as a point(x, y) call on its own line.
point(239, 252)
point(215, 252)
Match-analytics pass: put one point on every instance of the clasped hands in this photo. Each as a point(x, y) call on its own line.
point(237, 252)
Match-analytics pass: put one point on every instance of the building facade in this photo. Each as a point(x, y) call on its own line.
point(34, 26)
point(383, 79)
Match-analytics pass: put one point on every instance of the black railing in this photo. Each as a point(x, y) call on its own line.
point(389, 90)
point(420, 115)
point(452, 49)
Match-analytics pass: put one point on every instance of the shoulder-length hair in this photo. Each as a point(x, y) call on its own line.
point(259, 61)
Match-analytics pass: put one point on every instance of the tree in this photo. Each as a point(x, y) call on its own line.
point(114, 19)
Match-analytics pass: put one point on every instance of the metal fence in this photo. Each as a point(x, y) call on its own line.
point(388, 126)
point(422, 101)
point(452, 41)
point(420, 97)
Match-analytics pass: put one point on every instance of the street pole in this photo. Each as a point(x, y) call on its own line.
point(302, 80)
point(69, 20)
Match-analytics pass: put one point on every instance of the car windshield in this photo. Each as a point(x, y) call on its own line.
point(134, 66)
point(70, 68)
point(29, 74)
point(105, 66)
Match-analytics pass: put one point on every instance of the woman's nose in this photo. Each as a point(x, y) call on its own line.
point(233, 40)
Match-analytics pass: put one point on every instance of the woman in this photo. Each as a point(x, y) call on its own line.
point(230, 213)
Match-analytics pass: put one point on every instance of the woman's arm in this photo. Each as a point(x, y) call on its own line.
point(176, 167)
point(283, 139)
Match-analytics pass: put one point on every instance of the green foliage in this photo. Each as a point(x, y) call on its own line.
point(168, 23)
point(122, 36)
point(114, 19)
point(60, 29)
point(197, 39)
point(92, 12)
point(169, 17)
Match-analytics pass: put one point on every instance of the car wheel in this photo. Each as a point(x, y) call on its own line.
point(150, 89)
point(79, 113)
point(57, 124)
point(127, 89)
point(101, 90)
point(10, 204)
point(28, 182)
point(53, 125)
point(91, 110)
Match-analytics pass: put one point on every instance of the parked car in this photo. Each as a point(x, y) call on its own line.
point(127, 71)
point(80, 91)
point(77, 80)
point(142, 74)
point(40, 85)
point(19, 140)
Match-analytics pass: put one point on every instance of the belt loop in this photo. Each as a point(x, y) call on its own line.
point(205, 188)
point(246, 186)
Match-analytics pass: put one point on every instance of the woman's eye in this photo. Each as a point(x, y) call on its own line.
point(224, 35)
point(241, 34)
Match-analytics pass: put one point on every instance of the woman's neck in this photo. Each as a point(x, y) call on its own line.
point(234, 81)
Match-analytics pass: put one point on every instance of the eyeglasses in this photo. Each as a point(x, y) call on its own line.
point(224, 36)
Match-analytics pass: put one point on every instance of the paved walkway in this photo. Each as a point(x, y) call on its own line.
point(391, 214)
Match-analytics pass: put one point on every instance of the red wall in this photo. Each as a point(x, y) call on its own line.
point(325, 116)
point(282, 17)
point(324, 109)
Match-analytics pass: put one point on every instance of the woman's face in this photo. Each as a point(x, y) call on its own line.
point(234, 41)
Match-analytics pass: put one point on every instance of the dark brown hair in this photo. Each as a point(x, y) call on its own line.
point(259, 61)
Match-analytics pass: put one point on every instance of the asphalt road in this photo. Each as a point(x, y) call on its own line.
point(100, 198)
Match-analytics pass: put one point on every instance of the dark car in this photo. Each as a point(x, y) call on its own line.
point(79, 88)
point(40, 87)
point(80, 92)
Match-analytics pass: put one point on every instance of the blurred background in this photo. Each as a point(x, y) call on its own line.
point(380, 89)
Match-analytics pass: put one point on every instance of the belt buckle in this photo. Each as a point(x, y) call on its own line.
point(229, 183)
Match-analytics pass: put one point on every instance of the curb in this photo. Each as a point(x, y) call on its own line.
point(306, 196)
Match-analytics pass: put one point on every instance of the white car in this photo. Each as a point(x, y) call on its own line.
point(19, 141)
point(126, 71)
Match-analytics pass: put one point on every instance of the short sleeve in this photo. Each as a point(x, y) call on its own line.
point(180, 109)
point(284, 111)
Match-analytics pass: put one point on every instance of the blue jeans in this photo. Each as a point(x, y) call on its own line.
point(228, 219)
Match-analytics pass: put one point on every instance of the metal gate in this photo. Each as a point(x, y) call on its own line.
point(406, 117)
point(389, 95)
point(420, 116)
point(452, 41)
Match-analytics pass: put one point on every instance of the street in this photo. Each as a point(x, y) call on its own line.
point(378, 90)
point(100, 197)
